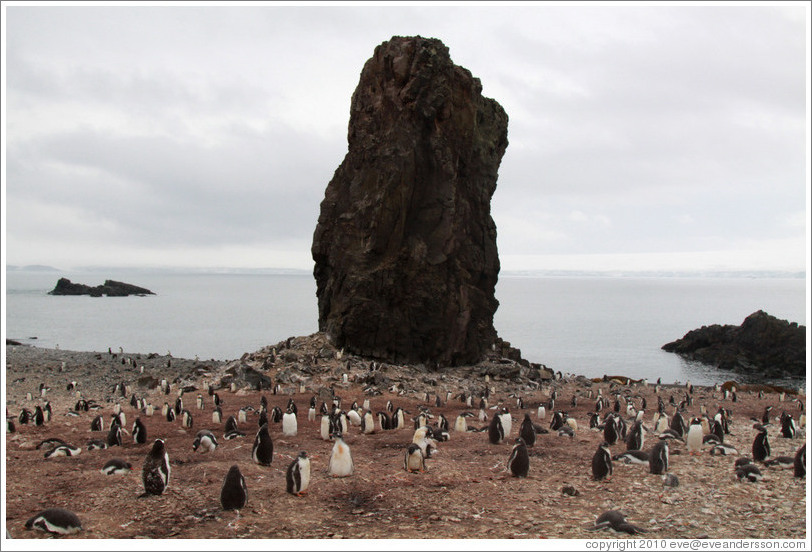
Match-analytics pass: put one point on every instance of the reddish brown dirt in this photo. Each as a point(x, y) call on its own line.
point(464, 494)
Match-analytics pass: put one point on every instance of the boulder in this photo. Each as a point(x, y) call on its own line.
point(763, 345)
point(405, 251)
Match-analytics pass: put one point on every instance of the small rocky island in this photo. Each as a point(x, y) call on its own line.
point(762, 346)
point(110, 288)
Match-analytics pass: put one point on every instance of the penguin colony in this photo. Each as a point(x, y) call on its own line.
point(614, 422)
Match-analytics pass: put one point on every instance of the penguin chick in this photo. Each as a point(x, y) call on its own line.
point(205, 441)
point(340, 464)
point(413, 460)
point(156, 470)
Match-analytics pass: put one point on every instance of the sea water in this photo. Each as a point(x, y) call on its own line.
point(592, 326)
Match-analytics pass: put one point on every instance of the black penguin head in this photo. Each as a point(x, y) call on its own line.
point(158, 447)
point(303, 454)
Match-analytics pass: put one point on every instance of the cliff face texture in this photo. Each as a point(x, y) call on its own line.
point(762, 346)
point(405, 247)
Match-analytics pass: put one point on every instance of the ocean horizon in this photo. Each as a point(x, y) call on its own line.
point(583, 323)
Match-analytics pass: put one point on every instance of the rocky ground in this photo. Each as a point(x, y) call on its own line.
point(464, 494)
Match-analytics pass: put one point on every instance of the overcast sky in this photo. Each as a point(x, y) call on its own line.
point(641, 137)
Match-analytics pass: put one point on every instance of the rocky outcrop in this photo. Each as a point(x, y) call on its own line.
point(405, 247)
point(762, 346)
point(110, 288)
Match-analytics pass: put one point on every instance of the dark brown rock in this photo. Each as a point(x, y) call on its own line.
point(762, 346)
point(405, 247)
point(110, 288)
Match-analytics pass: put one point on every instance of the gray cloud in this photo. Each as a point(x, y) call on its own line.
point(633, 130)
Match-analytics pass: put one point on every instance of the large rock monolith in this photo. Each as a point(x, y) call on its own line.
point(405, 247)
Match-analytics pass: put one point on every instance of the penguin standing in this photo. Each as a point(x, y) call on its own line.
point(519, 461)
point(297, 477)
point(325, 427)
point(39, 416)
point(414, 460)
point(289, 424)
point(610, 432)
point(658, 458)
point(217, 415)
point(693, 440)
point(635, 439)
point(761, 444)
point(234, 493)
point(156, 471)
point(205, 441)
point(97, 424)
point(58, 521)
point(340, 464)
point(461, 423)
point(262, 452)
point(139, 432)
point(602, 462)
point(114, 436)
point(496, 434)
point(423, 438)
point(311, 412)
point(527, 432)
point(367, 423)
point(799, 464)
point(788, 429)
point(507, 422)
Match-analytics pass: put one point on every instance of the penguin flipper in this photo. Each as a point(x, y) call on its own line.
point(629, 528)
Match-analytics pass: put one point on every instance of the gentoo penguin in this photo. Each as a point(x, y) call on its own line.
point(602, 462)
point(58, 521)
point(276, 415)
point(399, 419)
point(178, 406)
point(186, 420)
point(519, 461)
point(96, 444)
point(157, 470)
point(63, 450)
point(496, 434)
point(116, 466)
point(414, 460)
point(205, 441)
point(541, 413)
point(761, 444)
point(367, 423)
point(242, 415)
point(170, 414)
point(50, 444)
point(97, 424)
point(783, 462)
point(678, 424)
point(114, 436)
point(557, 421)
point(750, 472)
point(423, 439)
point(662, 422)
point(231, 424)
point(723, 449)
point(200, 405)
point(636, 438)
point(632, 457)
point(234, 493)
point(507, 422)
point(289, 424)
point(311, 411)
point(38, 416)
point(139, 432)
point(799, 463)
point(325, 427)
point(384, 421)
point(217, 415)
point(461, 423)
point(693, 440)
point(765, 418)
point(788, 429)
point(658, 458)
point(262, 452)
point(527, 432)
point(610, 432)
point(340, 464)
point(297, 477)
point(614, 519)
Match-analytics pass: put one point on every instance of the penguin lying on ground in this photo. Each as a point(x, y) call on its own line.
point(63, 450)
point(205, 441)
point(748, 471)
point(615, 519)
point(632, 457)
point(116, 466)
point(58, 521)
